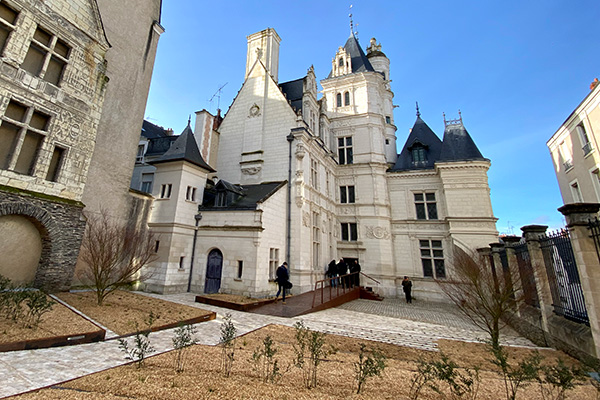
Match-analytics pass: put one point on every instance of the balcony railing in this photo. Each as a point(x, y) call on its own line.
point(568, 165)
point(587, 149)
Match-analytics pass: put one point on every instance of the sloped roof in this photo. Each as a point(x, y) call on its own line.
point(249, 196)
point(151, 131)
point(458, 145)
point(360, 62)
point(293, 91)
point(422, 134)
point(184, 148)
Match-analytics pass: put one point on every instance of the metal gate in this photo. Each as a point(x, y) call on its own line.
point(563, 276)
point(214, 267)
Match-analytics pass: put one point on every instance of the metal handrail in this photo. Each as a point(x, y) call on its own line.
point(320, 285)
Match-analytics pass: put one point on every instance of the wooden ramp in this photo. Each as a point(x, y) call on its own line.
point(308, 302)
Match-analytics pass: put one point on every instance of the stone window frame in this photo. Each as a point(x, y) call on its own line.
point(50, 54)
point(425, 205)
point(7, 26)
point(273, 262)
point(338, 100)
point(431, 252)
point(57, 161)
point(346, 98)
point(166, 190)
point(23, 128)
point(345, 152)
point(190, 194)
point(316, 238)
point(349, 231)
point(314, 174)
point(576, 191)
point(147, 184)
point(347, 194)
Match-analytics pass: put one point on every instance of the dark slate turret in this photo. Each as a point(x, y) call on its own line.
point(360, 62)
point(184, 148)
point(458, 144)
point(421, 150)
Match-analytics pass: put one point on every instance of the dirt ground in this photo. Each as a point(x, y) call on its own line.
point(202, 378)
point(122, 310)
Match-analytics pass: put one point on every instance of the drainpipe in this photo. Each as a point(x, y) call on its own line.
point(197, 217)
point(290, 139)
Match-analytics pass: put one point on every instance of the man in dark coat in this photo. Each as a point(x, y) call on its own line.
point(283, 277)
point(407, 287)
point(332, 272)
point(342, 269)
point(355, 268)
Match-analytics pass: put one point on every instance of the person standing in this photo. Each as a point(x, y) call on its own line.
point(407, 288)
point(283, 277)
point(342, 269)
point(332, 273)
point(357, 276)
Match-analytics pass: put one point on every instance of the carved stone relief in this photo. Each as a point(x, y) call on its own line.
point(377, 232)
point(305, 218)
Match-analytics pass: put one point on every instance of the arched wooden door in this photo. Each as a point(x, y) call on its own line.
point(214, 267)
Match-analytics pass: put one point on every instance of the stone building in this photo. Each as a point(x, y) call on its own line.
point(574, 151)
point(62, 123)
point(307, 179)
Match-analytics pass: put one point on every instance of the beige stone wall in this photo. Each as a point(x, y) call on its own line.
point(19, 232)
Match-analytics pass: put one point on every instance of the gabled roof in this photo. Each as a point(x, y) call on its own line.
point(293, 91)
point(184, 148)
point(247, 197)
point(151, 131)
point(420, 134)
point(360, 62)
point(458, 145)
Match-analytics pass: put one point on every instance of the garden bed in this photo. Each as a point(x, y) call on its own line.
point(232, 301)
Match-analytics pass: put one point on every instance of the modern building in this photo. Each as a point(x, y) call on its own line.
point(574, 150)
point(289, 175)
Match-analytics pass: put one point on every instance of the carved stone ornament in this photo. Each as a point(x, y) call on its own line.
point(305, 219)
point(377, 232)
point(251, 170)
point(299, 201)
point(254, 111)
point(300, 151)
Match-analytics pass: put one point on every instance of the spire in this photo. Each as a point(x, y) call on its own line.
point(457, 144)
point(189, 121)
point(351, 22)
point(418, 112)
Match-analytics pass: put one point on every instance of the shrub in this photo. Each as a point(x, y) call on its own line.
point(309, 344)
point(184, 338)
point(141, 343)
point(368, 365)
point(424, 376)
point(558, 379)
point(227, 342)
point(518, 376)
point(38, 304)
point(265, 363)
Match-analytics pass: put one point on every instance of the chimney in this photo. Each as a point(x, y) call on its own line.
point(264, 45)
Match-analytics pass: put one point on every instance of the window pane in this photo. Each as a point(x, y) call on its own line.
point(42, 36)
point(353, 232)
point(34, 60)
point(436, 243)
point(7, 14)
point(349, 141)
point(346, 99)
point(430, 196)
point(350, 194)
point(339, 100)
point(438, 253)
point(55, 162)
point(39, 121)
point(418, 196)
point(425, 253)
point(8, 137)
point(349, 156)
point(432, 211)
point(54, 71)
point(62, 49)
point(342, 156)
point(28, 154)
point(427, 269)
point(440, 270)
point(424, 243)
point(340, 142)
point(345, 232)
point(3, 36)
point(343, 198)
point(15, 111)
point(420, 211)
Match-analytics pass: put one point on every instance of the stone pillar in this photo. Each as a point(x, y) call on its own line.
point(531, 233)
point(577, 216)
point(513, 267)
point(495, 250)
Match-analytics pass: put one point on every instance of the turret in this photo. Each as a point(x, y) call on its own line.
point(378, 59)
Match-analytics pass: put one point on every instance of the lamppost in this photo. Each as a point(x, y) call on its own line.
point(197, 217)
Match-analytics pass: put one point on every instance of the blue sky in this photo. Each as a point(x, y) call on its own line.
point(515, 69)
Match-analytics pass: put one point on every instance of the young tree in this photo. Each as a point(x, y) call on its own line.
point(114, 254)
point(484, 295)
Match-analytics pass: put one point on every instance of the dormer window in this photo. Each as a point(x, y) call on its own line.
point(338, 100)
point(418, 154)
point(347, 98)
point(341, 62)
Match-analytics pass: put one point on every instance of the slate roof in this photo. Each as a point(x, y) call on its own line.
point(151, 131)
point(293, 91)
point(420, 133)
point(247, 197)
point(458, 145)
point(360, 62)
point(184, 148)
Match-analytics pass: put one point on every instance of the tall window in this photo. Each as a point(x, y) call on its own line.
point(190, 193)
point(22, 133)
point(388, 120)
point(240, 269)
point(426, 206)
point(585, 140)
point(327, 182)
point(341, 62)
point(314, 174)
point(576, 192)
point(596, 181)
point(165, 191)
point(316, 239)
point(47, 56)
point(345, 150)
point(419, 155)
point(432, 258)
point(349, 232)
point(8, 17)
point(181, 262)
point(147, 180)
point(139, 158)
point(346, 194)
point(338, 100)
point(273, 262)
point(55, 164)
point(347, 98)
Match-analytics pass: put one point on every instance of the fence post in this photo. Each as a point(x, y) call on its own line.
point(577, 216)
point(496, 248)
point(513, 267)
point(531, 233)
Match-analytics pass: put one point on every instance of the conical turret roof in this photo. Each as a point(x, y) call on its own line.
point(422, 136)
point(184, 148)
point(458, 145)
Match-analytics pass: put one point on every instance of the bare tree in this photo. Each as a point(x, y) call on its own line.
point(485, 295)
point(114, 254)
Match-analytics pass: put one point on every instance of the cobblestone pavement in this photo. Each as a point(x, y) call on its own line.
point(390, 321)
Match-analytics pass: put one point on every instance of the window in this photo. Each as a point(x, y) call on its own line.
point(55, 164)
point(22, 133)
point(585, 140)
point(346, 194)
point(388, 120)
point(139, 158)
point(240, 269)
point(327, 183)
point(349, 232)
point(47, 57)
point(190, 193)
point(432, 258)
point(347, 98)
point(147, 180)
point(165, 191)
point(345, 150)
point(8, 17)
point(338, 99)
point(181, 262)
point(273, 262)
point(316, 239)
point(418, 154)
point(156, 246)
point(576, 192)
point(566, 156)
point(314, 174)
point(426, 206)
point(595, 172)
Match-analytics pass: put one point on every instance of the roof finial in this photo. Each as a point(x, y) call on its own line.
point(418, 112)
point(460, 116)
point(189, 120)
point(351, 22)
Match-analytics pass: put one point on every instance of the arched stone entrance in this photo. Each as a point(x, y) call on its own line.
point(21, 249)
point(214, 267)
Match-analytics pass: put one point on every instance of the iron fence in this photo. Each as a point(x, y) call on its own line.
point(594, 227)
point(563, 276)
point(526, 273)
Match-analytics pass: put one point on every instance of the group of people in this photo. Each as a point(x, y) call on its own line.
point(338, 273)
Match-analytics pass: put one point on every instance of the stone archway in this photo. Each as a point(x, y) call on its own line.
point(214, 268)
